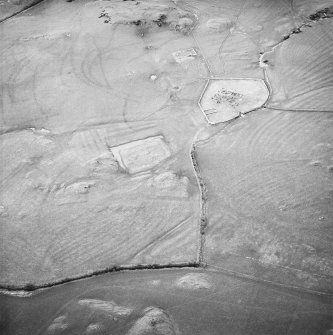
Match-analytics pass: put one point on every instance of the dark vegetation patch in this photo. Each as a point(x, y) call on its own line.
point(296, 30)
point(161, 20)
point(146, 16)
point(224, 95)
point(29, 287)
point(325, 13)
point(322, 14)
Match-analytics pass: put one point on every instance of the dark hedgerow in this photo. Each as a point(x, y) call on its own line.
point(29, 287)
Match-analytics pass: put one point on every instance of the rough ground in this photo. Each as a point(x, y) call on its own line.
point(109, 161)
point(168, 302)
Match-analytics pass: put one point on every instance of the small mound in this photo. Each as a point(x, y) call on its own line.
point(194, 281)
point(154, 321)
point(168, 183)
point(58, 325)
point(182, 56)
point(94, 328)
point(109, 307)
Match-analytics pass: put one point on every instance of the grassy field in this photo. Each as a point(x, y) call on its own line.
point(157, 134)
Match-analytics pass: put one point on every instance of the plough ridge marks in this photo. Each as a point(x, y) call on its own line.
point(269, 209)
point(303, 80)
point(274, 160)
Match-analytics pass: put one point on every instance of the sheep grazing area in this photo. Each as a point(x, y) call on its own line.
point(166, 167)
